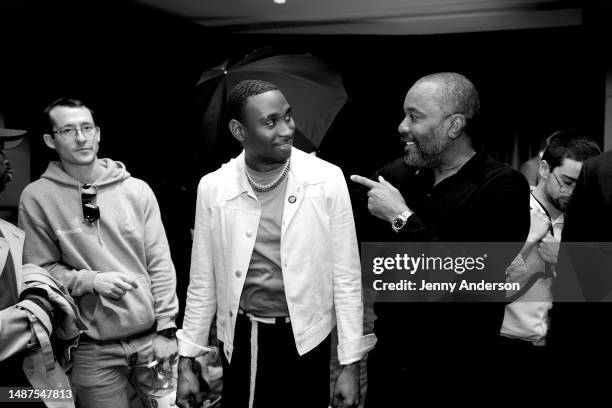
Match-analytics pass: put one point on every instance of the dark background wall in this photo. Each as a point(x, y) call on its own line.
point(137, 69)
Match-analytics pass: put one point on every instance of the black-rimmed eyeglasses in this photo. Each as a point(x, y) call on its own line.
point(91, 211)
point(88, 130)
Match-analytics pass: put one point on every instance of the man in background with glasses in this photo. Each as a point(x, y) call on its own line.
point(99, 231)
point(526, 320)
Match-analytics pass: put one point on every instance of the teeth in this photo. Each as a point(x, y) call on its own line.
point(409, 143)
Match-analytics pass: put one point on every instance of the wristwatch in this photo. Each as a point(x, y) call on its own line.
point(169, 332)
point(400, 221)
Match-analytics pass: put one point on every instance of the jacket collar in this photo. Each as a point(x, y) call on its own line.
point(300, 172)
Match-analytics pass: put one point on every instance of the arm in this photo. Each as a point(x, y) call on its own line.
point(518, 271)
point(386, 202)
point(502, 215)
point(201, 303)
point(16, 323)
point(163, 279)
point(14, 331)
point(159, 264)
point(348, 302)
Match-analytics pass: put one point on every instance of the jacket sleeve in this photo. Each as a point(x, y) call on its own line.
point(14, 331)
point(17, 327)
point(346, 269)
point(41, 248)
point(201, 294)
point(159, 264)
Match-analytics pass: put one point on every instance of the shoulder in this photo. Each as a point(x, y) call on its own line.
point(135, 183)
point(7, 228)
point(220, 176)
point(37, 190)
point(135, 187)
point(596, 176)
point(600, 165)
point(491, 169)
point(136, 191)
point(312, 167)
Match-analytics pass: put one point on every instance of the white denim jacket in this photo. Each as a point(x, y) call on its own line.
point(319, 256)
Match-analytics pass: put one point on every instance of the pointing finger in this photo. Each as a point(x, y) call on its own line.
point(363, 181)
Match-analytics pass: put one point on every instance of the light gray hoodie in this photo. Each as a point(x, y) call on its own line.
point(129, 238)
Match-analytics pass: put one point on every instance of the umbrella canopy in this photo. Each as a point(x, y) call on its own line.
point(313, 89)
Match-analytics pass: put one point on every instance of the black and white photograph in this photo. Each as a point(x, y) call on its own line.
point(304, 203)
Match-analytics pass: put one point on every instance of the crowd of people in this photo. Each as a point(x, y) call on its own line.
point(275, 263)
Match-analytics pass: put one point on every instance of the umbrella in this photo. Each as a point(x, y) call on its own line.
point(312, 88)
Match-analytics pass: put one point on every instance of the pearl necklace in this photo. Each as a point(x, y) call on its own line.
point(267, 187)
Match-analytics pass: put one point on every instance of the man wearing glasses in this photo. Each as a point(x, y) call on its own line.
point(526, 320)
point(99, 231)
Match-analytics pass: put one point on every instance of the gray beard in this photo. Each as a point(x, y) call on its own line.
point(418, 160)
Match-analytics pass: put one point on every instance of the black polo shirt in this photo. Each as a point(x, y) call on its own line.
point(485, 201)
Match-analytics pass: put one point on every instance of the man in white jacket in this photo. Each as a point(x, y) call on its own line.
point(275, 257)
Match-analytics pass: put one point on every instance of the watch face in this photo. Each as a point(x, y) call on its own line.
point(398, 223)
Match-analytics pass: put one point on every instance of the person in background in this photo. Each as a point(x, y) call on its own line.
point(580, 328)
point(526, 320)
point(33, 307)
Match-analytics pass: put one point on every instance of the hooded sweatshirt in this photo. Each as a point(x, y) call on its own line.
point(129, 238)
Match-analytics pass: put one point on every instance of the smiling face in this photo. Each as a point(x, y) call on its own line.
point(424, 128)
point(80, 151)
point(267, 130)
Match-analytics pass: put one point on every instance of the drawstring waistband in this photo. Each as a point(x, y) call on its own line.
point(254, 345)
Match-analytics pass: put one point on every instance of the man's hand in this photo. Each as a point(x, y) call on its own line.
point(548, 249)
point(384, 200)
point(164, 350)
point(113, 285)
point(346, 391)
point(540, 225)
point(188, 394)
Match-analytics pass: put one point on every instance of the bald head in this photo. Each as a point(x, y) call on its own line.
point(455, 94)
